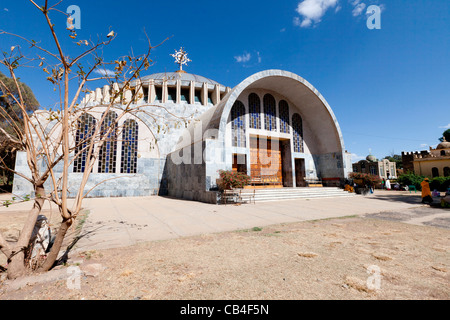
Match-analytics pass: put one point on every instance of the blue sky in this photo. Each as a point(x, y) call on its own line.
point(389, 88)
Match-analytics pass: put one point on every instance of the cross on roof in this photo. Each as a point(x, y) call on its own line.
point(181, 58)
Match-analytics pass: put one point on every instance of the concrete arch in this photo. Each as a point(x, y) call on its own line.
point(316, 110)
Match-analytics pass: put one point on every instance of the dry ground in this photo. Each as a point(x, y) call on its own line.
point(326, 259)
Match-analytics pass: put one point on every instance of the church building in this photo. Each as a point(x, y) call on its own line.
point(274, 126)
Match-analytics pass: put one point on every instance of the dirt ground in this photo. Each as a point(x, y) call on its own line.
point(326, 259)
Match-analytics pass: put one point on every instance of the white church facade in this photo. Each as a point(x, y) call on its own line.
point(274, 126)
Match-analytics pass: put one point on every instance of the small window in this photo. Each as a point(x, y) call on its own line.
point(443, 153)
point(435, 172)
point(172, 94)
point(210, 98)
point(446, 172)
point(184, 95)
point(198, 96)
point(159, 95)
point(145, 93)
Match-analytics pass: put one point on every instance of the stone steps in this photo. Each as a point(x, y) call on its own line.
point(263, 195)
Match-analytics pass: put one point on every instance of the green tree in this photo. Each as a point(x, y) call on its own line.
point(397, 159)
point(445, 135)
point(10, 122)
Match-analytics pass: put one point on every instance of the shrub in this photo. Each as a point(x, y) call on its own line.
point(438, 183)
point(367, 178)
point(232, 179)
point(411, 179)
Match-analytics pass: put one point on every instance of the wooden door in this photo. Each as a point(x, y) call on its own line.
point(266, 161)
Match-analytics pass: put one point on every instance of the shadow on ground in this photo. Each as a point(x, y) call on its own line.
point(413, 198)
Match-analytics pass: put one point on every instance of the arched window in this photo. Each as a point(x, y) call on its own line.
point(446, 172)
point(284, 117)
point(238, 125)
point(270, 115)
point(85, 130)
point(129, 147)
point(443, 153)
point(297, 127)
point(254, 106)
point(435, 172)
point(107, 155)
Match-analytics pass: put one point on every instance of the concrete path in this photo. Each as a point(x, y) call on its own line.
point(119, 222)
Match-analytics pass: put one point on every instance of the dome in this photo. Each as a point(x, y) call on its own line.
point(443, 145)
point(180, 75)
point(371, 158)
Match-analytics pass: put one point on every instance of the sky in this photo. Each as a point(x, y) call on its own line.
point(389, 87)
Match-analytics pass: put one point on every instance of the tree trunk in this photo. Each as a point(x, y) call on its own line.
point(16, 263)
point(53, 255)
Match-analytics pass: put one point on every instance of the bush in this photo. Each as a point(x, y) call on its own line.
point(411, 179)
point(368, 179)
point(440, 184)
point(232, 180)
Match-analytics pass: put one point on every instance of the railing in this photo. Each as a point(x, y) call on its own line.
point(235, 196)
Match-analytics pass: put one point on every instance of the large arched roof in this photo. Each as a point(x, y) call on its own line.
point(315, 109)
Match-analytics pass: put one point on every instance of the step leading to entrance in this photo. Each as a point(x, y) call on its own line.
point(263, 195)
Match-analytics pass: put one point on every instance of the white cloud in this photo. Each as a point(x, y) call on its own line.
point(313, 11)
point(6, 9)
point(356, 158)
point(283, 30)
point(243, 58)
point(105, 72)
point(358, 10)
point(423, 145)
point(445, 127)
point(259, 57)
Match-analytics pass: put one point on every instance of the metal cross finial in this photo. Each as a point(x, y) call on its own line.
point(181, 58)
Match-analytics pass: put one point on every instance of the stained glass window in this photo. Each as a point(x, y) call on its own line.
point(85, 130)
point(254, 104)
point(297, 127)
point(270, 115)
point(129, 147)
point(108, 151)
point(238, 125)
point(284, 117)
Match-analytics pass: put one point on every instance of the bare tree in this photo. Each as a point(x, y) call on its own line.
point(58, 146)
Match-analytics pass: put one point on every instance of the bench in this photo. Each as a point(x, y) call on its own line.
point(411, 188)
point(235, 196)
point(314, 183)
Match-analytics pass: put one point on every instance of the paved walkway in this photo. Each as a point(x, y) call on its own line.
point(121, 222)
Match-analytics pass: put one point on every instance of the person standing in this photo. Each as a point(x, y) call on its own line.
point(388, 185)
point(426, 192)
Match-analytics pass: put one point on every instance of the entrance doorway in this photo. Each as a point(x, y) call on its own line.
point(266, 162)
point(300, 173)
point(240, 163)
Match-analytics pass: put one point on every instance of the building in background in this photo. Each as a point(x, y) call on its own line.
point(385, 169)
point(432, 163)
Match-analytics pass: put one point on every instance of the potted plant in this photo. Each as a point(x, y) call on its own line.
point(232, 180)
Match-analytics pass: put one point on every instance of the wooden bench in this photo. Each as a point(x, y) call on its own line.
point(231, 196)
point(314, 183)
point(235, 196)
